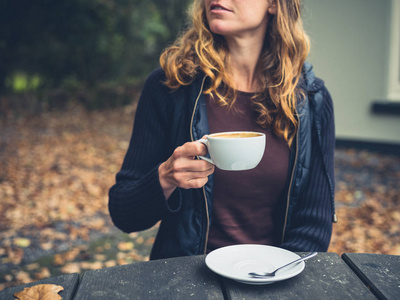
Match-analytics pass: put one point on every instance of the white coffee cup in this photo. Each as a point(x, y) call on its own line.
point(235, 150)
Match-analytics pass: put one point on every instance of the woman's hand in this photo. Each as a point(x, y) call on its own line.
point(183, 170)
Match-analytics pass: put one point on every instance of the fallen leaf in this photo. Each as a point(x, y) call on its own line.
point(122, 261)
point(71, 268)
point(23, 277)
point(8, 277)
point(71, 255)
point(15, 255)
point(100, 257)
point(125, 246)
point(40, 292)
point(22, 242)
point(32, 267)
point(47, 245)
point(58, 260)
point(44, 273)
point(150, 241)
point(91, 265)
point(110, 263)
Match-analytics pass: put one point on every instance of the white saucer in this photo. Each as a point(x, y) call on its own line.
point(235, 262)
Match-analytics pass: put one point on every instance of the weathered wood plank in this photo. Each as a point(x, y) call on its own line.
point(69, 282)
point(175, 278)
point(380, 272)
point(325, 276)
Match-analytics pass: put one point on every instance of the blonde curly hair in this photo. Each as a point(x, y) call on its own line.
point(285, 50)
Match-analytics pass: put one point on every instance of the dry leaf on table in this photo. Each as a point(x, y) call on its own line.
point(40, 292)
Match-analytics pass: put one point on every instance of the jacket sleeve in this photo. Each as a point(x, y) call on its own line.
point(136, 200)
point(311, 222)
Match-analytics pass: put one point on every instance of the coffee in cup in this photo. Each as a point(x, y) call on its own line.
point(235, 150)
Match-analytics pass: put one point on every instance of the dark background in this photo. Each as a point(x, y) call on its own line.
point(90, 45)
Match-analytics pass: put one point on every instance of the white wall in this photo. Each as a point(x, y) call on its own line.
point(350, 51)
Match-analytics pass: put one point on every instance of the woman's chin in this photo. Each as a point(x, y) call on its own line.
point(218, 28)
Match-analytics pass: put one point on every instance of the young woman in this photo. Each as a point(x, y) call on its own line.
point(240, 66)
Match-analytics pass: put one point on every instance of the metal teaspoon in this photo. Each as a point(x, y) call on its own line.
point(273, 273)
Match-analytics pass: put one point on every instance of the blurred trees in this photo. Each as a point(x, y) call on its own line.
point(55, 43)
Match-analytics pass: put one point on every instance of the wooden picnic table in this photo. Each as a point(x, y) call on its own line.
point(381, 273)
point(326, 276)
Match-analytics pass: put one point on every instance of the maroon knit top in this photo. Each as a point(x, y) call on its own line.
point(244, 201)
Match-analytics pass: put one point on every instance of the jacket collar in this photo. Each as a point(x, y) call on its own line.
point(308, 82)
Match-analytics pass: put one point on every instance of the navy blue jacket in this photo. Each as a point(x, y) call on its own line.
point(166, 119)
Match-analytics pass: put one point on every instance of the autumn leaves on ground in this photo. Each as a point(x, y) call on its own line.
point(56, 169)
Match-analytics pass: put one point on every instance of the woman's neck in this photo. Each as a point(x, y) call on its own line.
point(244, 57)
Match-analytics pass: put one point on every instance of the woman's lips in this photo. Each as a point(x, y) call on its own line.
point(217, 7)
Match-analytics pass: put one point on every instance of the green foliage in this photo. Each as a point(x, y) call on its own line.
point(20, 82)
point(52, 43)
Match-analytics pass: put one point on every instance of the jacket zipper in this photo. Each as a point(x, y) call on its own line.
point(204, 190)
point(291, 182)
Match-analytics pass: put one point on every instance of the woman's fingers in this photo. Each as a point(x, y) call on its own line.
point(190, 180)
point(189, 165)
point(190, 150)
point(183, 158)
point(182, 170)
point(196, 183)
